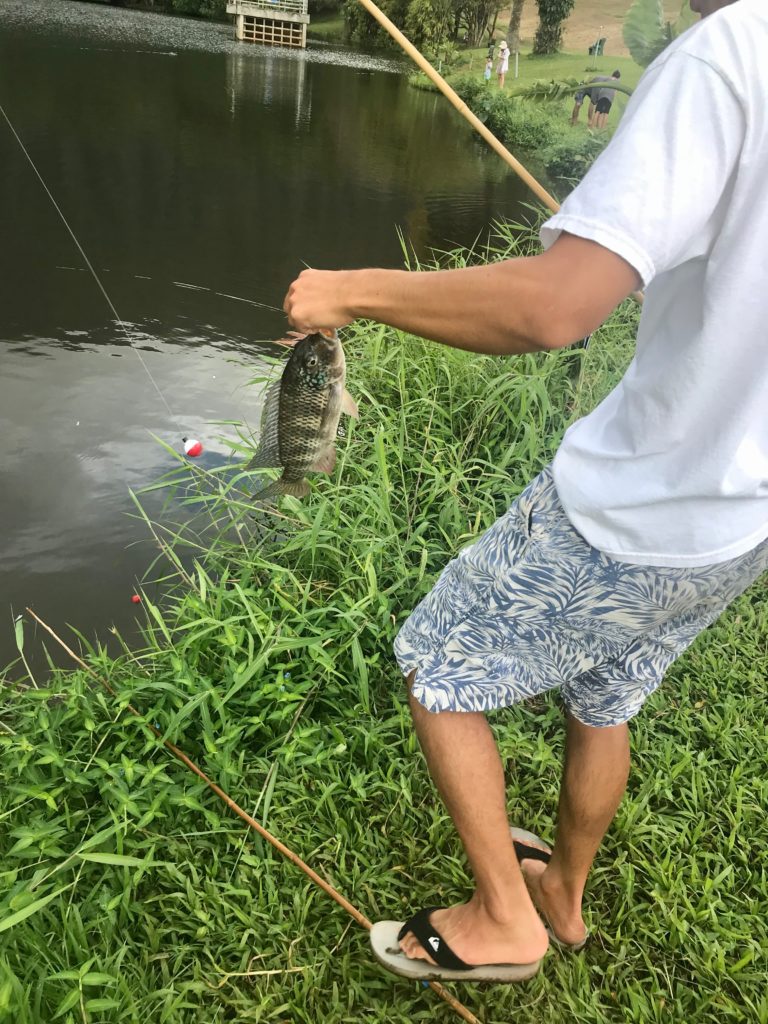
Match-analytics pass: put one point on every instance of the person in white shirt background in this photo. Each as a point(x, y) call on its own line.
point(503, 62)
point(655, 506)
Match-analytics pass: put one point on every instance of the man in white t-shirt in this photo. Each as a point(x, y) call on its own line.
point(654, 514)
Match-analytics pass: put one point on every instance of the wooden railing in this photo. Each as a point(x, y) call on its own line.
point(286, 6)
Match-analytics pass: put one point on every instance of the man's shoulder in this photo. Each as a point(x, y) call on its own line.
point(722, 36)
point(732, 42)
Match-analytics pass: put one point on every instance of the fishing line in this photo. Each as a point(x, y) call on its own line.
point(88, 263)
point(191, 287)
point(352, 910)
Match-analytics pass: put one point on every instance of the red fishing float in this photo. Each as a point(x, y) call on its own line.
point(192, 447)
point(136, 599)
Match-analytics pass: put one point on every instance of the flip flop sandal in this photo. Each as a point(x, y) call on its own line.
point(529, 847)
point(385, 936)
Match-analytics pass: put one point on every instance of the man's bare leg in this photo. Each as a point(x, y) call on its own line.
point(594, 780)
point(499, 924)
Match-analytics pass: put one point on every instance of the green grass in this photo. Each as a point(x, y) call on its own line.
point(270, 664)
point(328, 26)
point(555, 66)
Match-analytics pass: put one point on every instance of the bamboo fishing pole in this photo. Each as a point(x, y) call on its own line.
point(352, 910)
point(418, 57)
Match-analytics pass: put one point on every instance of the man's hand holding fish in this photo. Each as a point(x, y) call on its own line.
point(520, 305)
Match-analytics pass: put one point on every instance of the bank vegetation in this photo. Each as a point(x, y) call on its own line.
point(129, 893)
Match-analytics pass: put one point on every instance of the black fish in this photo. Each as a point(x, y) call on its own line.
point(301, 415)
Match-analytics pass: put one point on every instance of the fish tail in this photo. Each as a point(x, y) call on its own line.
point(297, 488)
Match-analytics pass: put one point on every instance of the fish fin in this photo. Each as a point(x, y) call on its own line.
point(349, 405)
point(297, 488)
point(267, 455)
point(325, 462)
point(291, 338)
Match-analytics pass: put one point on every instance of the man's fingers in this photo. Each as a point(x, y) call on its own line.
point(314, 299)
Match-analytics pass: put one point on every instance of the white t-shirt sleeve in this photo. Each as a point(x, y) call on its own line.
point(655, 194)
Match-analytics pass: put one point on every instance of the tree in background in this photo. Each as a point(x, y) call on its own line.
point(513, 29)
point(199, 8)
point(432, 25)
point(549, 34)
point(429, 24)
point(647, 33)
point(360, 27)
point(477, 18)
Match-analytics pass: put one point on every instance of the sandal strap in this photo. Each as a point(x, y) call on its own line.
point(526, 852)
point(432, 941)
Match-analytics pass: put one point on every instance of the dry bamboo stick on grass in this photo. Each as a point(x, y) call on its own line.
point(361, 919)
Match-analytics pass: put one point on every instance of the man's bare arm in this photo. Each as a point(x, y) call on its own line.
point(520, 305)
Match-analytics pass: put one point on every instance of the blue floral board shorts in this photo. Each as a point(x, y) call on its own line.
point(531, 606)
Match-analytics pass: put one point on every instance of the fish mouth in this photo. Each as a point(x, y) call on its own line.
point(324, 343)
point(329, 340)
point(327, 343)
point(292, 338)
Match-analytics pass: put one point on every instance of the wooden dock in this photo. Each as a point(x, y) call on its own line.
point(271, 22)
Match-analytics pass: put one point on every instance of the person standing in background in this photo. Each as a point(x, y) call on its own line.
point(578, 99)
point(602, 99)
point(503, 62)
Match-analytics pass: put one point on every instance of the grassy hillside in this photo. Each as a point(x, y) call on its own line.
point(589, 20)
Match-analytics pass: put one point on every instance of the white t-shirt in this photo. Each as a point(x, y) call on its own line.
point(672, 467)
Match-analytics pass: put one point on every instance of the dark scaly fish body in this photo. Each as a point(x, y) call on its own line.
point(301, 415)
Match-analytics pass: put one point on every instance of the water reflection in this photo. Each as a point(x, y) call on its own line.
point(270, 81)
point(81, 424)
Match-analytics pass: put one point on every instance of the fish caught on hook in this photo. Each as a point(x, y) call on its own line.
point(301, 414)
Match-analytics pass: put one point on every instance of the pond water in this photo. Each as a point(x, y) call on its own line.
point(200, 175)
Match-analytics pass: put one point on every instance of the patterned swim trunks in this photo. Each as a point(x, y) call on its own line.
point(531, 606)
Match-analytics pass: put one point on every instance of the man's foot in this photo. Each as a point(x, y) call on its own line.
point(552, 900)
point(479, 937)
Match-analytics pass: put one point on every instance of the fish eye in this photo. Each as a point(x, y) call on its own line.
point(312, 361)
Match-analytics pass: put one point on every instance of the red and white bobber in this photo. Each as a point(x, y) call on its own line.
point(192, 447)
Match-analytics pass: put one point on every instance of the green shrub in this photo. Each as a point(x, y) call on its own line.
point(202, 8)
point(572, 158)
point(519, 124)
